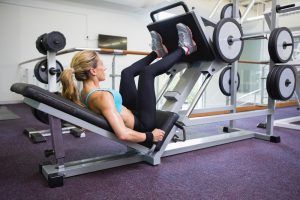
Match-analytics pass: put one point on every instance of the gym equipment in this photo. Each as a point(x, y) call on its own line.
point(228, 41)
point(39, 44)
point(280, 8)
point(197, 65)
point(292, 122)
point(52, 42)
point(60, 108)
point(225, 81)
point(227, 12)
point(176, 97)
point(281, 45)
point(228, 50)
point(281, 82)
point(167, 28)
point(41, 71)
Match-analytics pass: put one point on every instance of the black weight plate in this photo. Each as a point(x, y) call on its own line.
point(274, 45)
point(54, 42)
point(224, 11)
point(280, 87)
point(221, 40)
point(270, 84)
point(223, 89)
point(271, 44)
point(273, 80)
point(41, 71)
point(39, 44)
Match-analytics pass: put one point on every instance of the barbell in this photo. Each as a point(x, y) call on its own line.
point(229, 41)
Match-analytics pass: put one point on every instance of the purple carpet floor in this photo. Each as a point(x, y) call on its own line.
point(250, 169)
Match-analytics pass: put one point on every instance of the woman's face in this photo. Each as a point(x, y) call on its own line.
point(100, 70)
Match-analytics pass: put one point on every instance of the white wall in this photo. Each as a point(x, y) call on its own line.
point(22, 22)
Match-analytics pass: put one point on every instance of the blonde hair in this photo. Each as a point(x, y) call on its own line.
point(80, 66)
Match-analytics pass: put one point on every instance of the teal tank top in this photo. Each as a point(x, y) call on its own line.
point(117, 97)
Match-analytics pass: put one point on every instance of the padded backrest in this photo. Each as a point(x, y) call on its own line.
point(167, 29)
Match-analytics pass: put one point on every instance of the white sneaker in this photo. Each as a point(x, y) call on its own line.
point(186, 39)
point(157, 44)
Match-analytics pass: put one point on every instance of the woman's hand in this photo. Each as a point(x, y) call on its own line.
point(158, 135)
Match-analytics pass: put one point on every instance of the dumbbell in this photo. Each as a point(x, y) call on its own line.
point(52, 42)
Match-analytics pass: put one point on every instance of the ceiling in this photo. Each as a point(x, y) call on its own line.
point(126, 5)
point(142, 5)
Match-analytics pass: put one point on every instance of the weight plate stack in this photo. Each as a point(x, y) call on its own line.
point(281, 45)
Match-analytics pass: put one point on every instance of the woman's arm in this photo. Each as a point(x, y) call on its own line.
point(104, 103)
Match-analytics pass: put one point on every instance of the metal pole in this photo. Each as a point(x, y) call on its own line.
point(271, 102)
point(51, 62)
point(215, 9)
point(262, 83)
point(247, 11)
point(113, 72)
point(233, 71)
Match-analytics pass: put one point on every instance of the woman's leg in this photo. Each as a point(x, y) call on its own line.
point(127, 87)
point(146, 104)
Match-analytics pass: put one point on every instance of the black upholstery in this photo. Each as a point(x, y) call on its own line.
point(167, 29)
point(164, 120)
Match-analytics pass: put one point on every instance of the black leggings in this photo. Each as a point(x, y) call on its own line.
point(142, 101)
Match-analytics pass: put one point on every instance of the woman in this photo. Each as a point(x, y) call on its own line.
point(130, 112)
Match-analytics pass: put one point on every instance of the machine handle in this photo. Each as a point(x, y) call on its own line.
point(169, 7)
point(279, 8)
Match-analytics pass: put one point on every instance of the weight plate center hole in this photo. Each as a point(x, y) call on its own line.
point(229, 40)
point(287, 83)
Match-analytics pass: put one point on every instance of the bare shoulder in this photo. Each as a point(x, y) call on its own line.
point(101, 101)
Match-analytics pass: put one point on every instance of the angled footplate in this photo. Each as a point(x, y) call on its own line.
point(60, 109)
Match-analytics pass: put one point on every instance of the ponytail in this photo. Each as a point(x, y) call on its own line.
point(80, 66)
point(69, 88)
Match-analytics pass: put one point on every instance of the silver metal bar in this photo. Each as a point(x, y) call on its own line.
point(74, 120)
point(113, 72)
point(250, 5)
point(233, 71)
point(44, 57)
point(204, 110)
point(94, 164)
point(51, 62)
point(287, 10)
point(262, 84)
point(271, 102)
point(210, 141)
point(183, 87)
point(99, 50)
point(199, 94)
point(165, 87)
point(215, 8)
point(224, 117)
point(288, 123)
